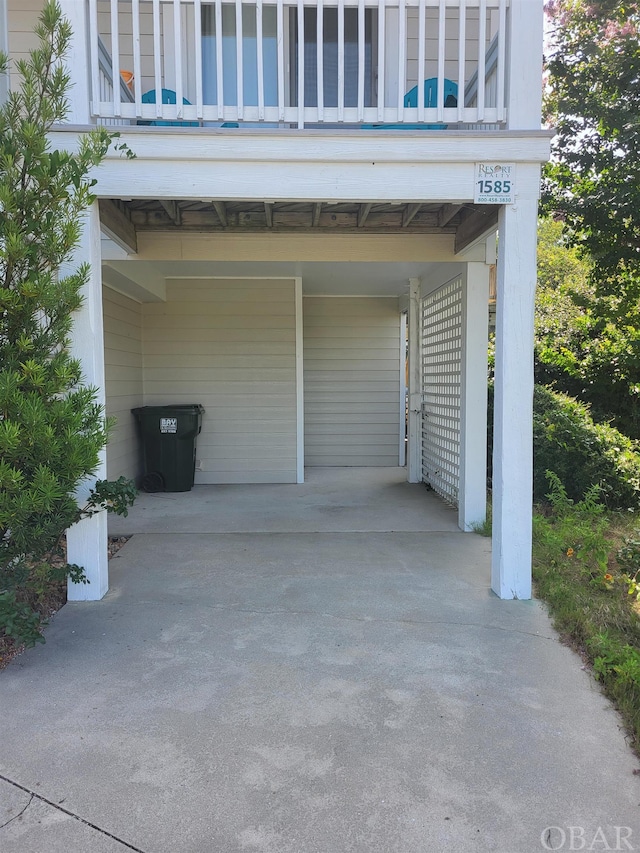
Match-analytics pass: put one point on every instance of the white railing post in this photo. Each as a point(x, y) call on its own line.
point(482, 47)
point(442, 20)
point(382, 77)
point(78, 61)
point(524, 64)
point(462, 56)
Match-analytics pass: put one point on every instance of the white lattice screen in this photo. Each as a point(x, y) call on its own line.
point(441, 388)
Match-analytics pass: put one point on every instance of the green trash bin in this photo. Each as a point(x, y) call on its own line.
point(169, 446)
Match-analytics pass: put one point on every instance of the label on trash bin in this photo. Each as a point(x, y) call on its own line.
point(168, 425)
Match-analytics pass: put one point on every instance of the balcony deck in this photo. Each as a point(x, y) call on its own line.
point(246, 63)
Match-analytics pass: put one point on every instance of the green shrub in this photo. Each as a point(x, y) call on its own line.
point(582, 453)
point(52, 427)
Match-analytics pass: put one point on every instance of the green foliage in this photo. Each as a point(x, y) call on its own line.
point(51, 427)
point(594, 103)
point(587, 341)
point(582, 453)
point(575, 529)
point(628, 559)
point(574, 572)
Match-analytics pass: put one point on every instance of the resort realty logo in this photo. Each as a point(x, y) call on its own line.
point(583, 838)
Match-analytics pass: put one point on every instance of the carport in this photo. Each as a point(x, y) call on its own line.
point(316, 667)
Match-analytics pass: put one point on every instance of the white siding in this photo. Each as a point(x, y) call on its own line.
point(229, 345)
point(22, 18)
point(124, 383)
point(351, 381)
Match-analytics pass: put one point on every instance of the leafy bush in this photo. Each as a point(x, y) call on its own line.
point(586, 584)
point(582, 453)
point(52, 428)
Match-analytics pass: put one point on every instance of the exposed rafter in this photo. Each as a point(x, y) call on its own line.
point(172, 210)
point(447, 212)
point(317, 210)
point(116, 223)
point(268, 212)
point(363, 213)
point(409, 213)
point(480, 222)
point(221, 210)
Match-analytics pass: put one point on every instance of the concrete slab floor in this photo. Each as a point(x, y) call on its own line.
point(331, 499)
point(308, 693)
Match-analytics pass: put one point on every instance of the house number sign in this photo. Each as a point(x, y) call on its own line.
point(495, 183)
point(169, 425)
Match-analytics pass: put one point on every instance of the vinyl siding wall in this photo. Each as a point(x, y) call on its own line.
point(22, 16)
point(230, 345)
point(124, 380)
point(351, 381)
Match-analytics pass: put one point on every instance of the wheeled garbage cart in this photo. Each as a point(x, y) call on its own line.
point(169, 445)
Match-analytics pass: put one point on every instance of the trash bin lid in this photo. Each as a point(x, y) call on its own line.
point(181, 408)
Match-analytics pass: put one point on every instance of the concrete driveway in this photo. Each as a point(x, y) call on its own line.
point(307, 689)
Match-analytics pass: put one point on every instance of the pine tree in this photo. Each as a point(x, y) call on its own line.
point(51, 426)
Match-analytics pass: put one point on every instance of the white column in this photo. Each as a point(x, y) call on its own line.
point(87, 540)
point(472, 503)
point(414, 432)
point(513, 420)
point(524, 64)
point(78, 61)
point(299, 383)
point(402, 432)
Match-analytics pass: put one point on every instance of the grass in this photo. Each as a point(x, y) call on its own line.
point(584, 562)
point(576, 571)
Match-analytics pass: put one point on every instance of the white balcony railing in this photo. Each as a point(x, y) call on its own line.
point(314, 62)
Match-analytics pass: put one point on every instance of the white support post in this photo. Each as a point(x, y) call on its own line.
point(402, 446)
point(513, 418)
point(87, 540)
point(414, 438)
point(78, 61)
point(472, 502)
point(524, 64)
point(299, 382)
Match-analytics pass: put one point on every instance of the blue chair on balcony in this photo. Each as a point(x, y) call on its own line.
point(168, 97)
point(430, 102)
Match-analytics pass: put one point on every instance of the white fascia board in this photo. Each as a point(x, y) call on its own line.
point(355, 146)
point(294, 181)
point(387, 168)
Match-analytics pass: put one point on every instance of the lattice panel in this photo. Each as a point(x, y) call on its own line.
point(441, 389)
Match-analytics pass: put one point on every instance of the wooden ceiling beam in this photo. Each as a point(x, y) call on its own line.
point(447, 212)
point(409, 213)
point(116, 224)
point(363, 212)
point(221, 210)
point(268, 212)
point(317, 210)
point(171, 209)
